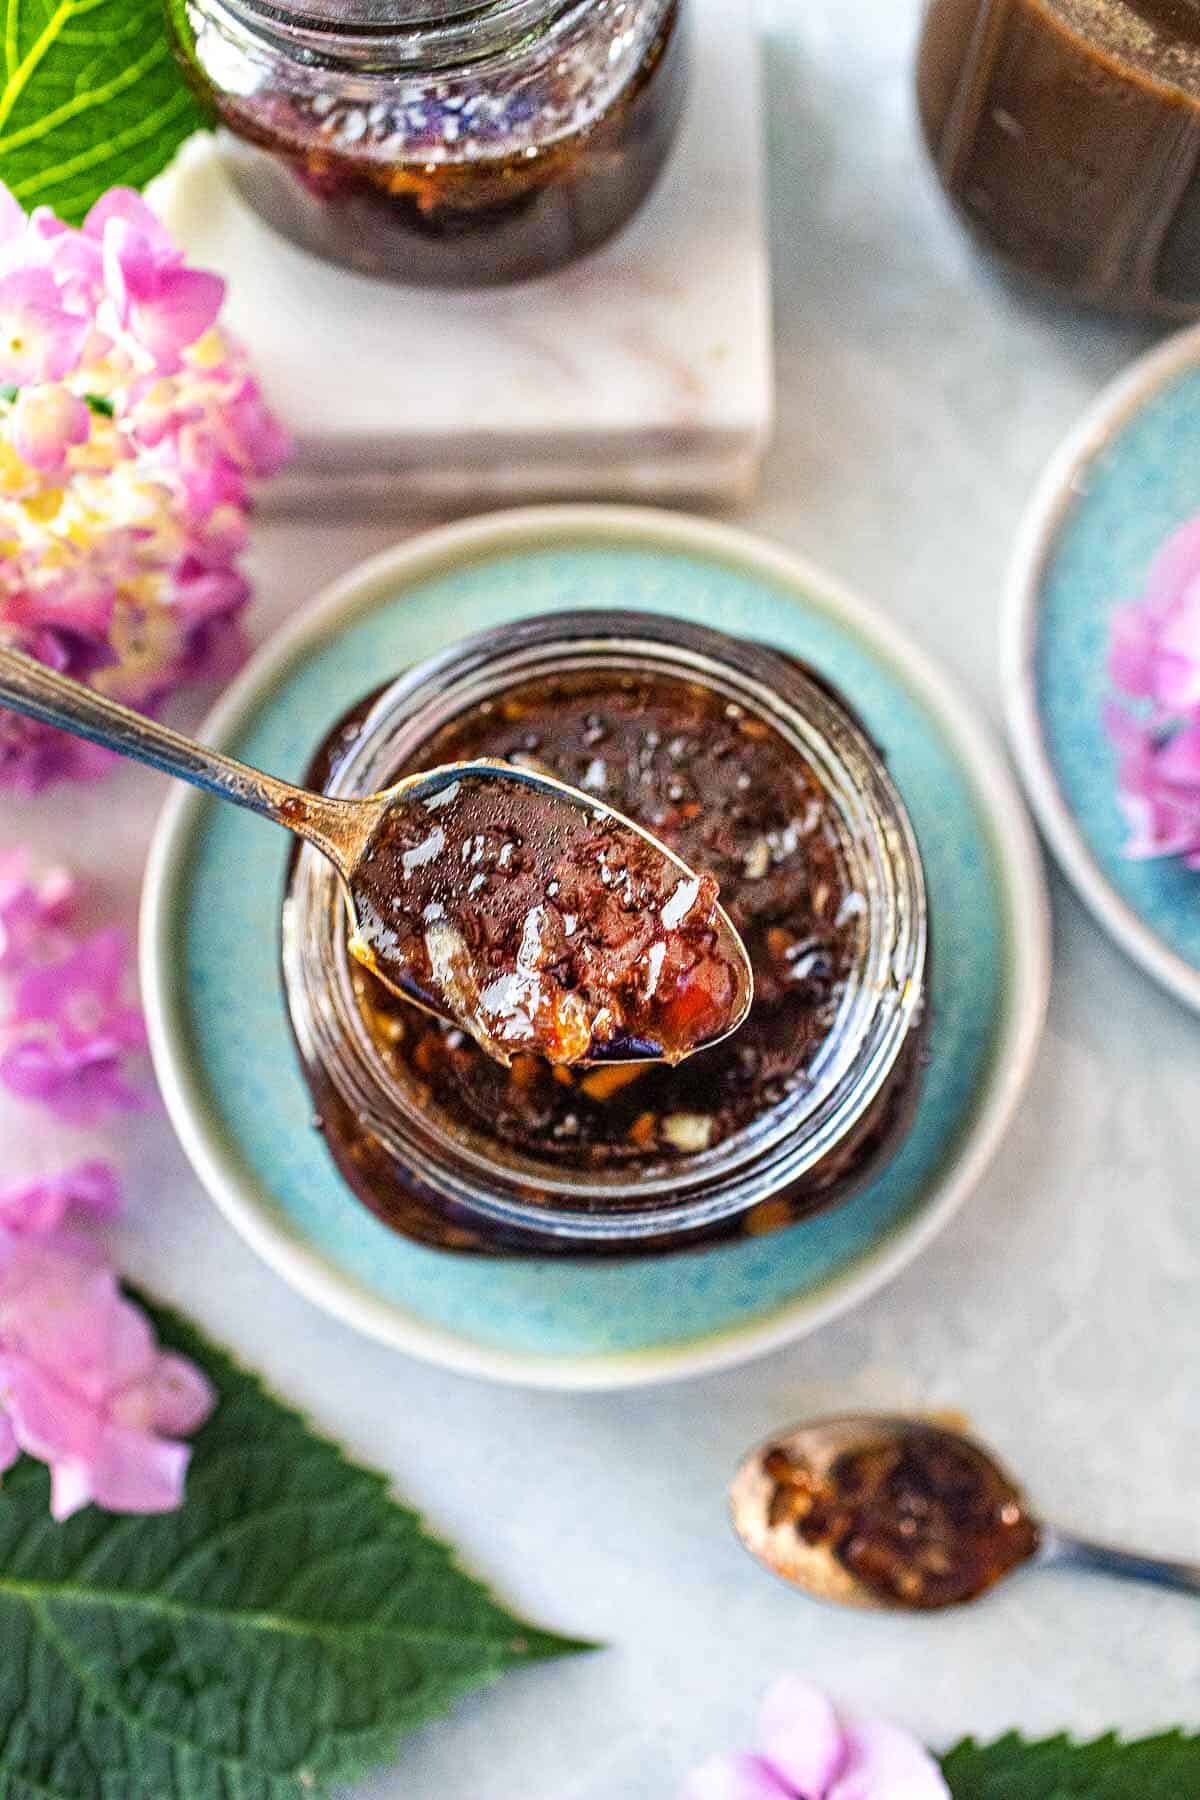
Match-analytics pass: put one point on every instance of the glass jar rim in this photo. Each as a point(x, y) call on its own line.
point(433, 33)
point(883, 1000)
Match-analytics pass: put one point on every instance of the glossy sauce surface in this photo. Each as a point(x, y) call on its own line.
point(542, 927)
point(921, 1518)
point(728, 795)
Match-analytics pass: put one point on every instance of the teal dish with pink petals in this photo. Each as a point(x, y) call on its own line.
point(1103, 693)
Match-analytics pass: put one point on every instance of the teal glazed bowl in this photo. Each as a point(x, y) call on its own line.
point(218, 1020)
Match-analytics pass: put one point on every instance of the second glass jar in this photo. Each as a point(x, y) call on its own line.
point(1067, 134)
point(441, 142)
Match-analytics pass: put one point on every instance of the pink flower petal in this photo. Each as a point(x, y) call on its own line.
point(885, 1763)
point(156, 493)
point(1177, 564)
point(801, 1736)
point(136, 1472)
point(70, 1488)
point(12, 216)
point(39, 339)
point(128, 206)
point(735, 1778)
point(184, 304)
point(1177, 762)
point(48, 1420)
point(183, 1397)
point(83, 1384)
point(164, 304)
point(47, 422)
point(42, 1206)
point(32, 913)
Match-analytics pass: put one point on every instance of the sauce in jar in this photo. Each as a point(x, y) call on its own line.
point(727, 795)
point(746, 767)
point(1067, 133)
point(441, 142)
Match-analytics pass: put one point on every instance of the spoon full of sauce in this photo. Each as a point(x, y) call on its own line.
point(500, 898)
point(877, 1511)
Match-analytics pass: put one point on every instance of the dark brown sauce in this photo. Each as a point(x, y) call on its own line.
point(921, 1518)
point(1067, 132)
point(727, 795)
point(467, 221)
point(543, 928)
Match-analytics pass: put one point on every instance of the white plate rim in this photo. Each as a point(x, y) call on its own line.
point(1036, 538)
point(253, 1213)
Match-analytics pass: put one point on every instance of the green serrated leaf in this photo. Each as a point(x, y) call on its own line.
point(92, 96)
point(273, 1638)
point(1157, 1768)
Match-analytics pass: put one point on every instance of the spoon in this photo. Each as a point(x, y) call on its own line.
point(478, 842)
point(878, 1511)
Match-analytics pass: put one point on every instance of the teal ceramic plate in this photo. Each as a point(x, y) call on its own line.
point(216, 1012)
point(1126, 478)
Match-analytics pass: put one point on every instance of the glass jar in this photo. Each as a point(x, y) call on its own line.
point(446, 1166)
point(1067, 133)
point(441, 142)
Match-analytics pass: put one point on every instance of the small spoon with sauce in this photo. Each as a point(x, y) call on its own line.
point(884, 1512)
point(497, 897)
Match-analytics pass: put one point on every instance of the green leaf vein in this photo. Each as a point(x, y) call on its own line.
point(92, 95)
point(272, 1640)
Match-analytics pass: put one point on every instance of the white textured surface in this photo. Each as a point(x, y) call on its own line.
point(918, 399)
point(643, 371)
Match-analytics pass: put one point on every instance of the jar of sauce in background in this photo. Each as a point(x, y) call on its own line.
point(440, 142)
point(1067, 134)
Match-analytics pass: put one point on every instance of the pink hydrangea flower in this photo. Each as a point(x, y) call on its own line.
point(164, 305)
point(39, 339)
point(809, 1751)
point(42, 1206)
point(84, 1386)
point(46, 423)
point(33, 911)
point(1154, 658)
point(127, 453)
point(69, 1034)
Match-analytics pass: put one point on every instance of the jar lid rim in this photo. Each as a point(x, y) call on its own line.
point(375, 16)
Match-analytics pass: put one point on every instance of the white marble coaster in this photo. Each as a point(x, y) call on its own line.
point(643, 372)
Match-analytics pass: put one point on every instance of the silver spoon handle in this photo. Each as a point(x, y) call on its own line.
point(1063, 1550)
point(29, 687)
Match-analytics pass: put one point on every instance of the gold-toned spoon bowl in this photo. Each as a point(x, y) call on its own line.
point(880, 1511)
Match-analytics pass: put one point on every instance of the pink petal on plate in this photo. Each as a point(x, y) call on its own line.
point(801, 1735)
point(739, 1777)
point(1177, 563)
point(1178, 761)
point(885, 1763)
point(1132, 652)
